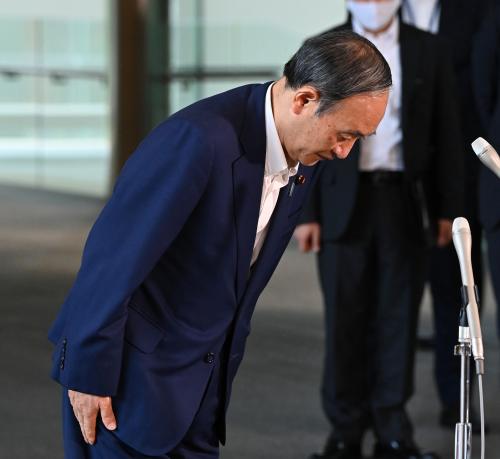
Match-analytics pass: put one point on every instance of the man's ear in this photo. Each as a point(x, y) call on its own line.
point(305, 98)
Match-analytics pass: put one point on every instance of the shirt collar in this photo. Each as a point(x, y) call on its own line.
point(276, 163)
point(391, 35)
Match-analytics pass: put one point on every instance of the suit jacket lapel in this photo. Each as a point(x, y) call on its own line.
point(248, 176)
point(287, 203)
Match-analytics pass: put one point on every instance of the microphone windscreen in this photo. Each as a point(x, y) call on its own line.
point(460, 224)
point(480, 146)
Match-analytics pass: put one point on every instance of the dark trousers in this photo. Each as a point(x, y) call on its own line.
point(372, 281)
point(493, 240)
point(200, 442)
point(445, 283)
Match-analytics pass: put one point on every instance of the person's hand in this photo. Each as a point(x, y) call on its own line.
point(308, 236)
point(86, 408)
point(444, 235)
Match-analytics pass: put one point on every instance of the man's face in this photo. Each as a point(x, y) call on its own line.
point(374, 15)
point(333, 133)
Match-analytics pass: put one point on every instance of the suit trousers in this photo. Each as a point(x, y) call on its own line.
point(493, 240)
point(372, 281)
point(200, 442)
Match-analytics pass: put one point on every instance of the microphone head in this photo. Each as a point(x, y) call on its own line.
point(480, 146)
point(460, 225)
point(487, 154)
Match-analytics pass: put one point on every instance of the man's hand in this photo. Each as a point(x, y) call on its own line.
point(86, 408)
point(444, 232)
point(308, 236)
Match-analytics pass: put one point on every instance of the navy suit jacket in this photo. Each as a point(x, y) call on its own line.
point(165, 278)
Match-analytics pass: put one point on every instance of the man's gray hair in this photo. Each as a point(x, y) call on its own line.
point(338, 64)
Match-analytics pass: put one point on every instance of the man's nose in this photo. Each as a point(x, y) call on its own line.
point(342, 150)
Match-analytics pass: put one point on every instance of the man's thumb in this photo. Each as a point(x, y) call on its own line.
point(107, 415)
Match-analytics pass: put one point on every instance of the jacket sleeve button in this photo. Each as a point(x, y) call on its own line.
point(210, 358)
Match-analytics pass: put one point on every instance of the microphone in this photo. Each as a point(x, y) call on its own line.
point(487, 154)
point(462, 240)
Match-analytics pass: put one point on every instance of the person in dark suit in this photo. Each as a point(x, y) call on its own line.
point(486, 79)
point(457, 21)
point(153, 330)
point(371, 219)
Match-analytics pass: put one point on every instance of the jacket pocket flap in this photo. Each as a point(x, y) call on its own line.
point(141, 332)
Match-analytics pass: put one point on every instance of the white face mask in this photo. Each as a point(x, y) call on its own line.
point(373, 15)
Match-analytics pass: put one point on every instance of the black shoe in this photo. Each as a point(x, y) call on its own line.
point(398, 450)
point(450, 415)
point(337, 449)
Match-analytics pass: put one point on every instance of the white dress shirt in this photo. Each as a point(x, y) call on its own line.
point(424, 14)
point(385, 150)
point(276, 176)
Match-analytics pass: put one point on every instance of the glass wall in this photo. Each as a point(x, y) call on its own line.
point(54, 78)
point(224, 43)
point(54, 115)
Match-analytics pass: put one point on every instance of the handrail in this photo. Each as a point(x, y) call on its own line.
point(180, 74)
point(55, 73)
point(219, 74)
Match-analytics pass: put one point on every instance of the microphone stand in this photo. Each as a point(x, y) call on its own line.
point(469, 340)
point(463, 349)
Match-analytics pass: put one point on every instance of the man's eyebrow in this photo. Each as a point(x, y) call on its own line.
point(359, 134)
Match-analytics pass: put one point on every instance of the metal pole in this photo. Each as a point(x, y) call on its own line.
point(199, 50)
point(127, 80)
point(463, 428)
point(138, 54)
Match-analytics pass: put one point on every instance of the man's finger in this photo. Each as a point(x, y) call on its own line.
point(89, 422)
point(316, 238)
point(107, 415)
point(445, 232)
point(76, 412)
point(304, 244)
point(301, 240)
point(444, 238)
point(79, 418)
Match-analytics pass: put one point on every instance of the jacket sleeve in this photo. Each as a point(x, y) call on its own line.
point(156, 192)
point(449, 151)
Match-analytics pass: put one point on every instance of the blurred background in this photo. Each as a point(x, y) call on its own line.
point(81, 82)
point(61, 62)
